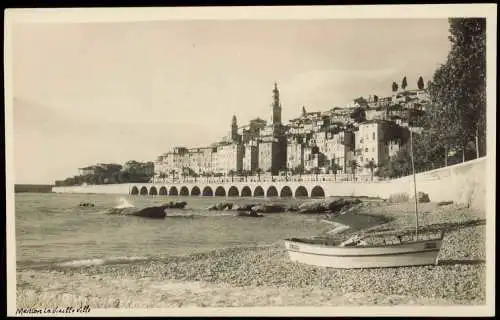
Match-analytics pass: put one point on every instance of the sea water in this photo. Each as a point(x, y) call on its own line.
point(53, 228)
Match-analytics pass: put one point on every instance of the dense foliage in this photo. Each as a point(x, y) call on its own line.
point(420, 83)
point(458, 89)
point(404, 83)
point(112, 173)
point(358, 114)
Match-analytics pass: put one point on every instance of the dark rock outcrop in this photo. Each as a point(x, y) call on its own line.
point(221, 206)
point(330, 206)
point(444, 203)
point(312, 207)
point(155, 212)
point(86, 204)
point(268, 208)
point(292, 208)
point(250, 214)
point(422, 197)
point(176, 205)
point(152, 212)
point(244, 207)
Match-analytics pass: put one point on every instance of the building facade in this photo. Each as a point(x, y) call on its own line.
point(230, 158)
point(251, 157)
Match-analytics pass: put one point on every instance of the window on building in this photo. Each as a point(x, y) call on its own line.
point(366, 149)
point(373, 134)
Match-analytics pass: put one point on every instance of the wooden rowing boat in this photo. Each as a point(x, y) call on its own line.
point(325, 253)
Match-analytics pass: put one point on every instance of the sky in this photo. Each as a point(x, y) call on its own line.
point(86, 93)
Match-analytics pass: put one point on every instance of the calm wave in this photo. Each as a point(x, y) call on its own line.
point(52, 228)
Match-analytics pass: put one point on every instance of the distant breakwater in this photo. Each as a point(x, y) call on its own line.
point(462, 183)
point(38, 188)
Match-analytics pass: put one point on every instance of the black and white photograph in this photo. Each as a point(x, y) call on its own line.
point(219, 160)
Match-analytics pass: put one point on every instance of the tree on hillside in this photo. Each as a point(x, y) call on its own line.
point(358, 115)
point(259, 172)
point(394, 87)
point(404, 83)
point(458, 89)
point(304, 110)
point(420, 83)
point(361, 101)
point(335, 168)
point(353, 164)
point(371, 165)
point(316, 172)
point(231, 174)
point(427, 154)
point(299, 169)
point(162, 175)
point(124, 176)
point(245, 174)
point(173, 172)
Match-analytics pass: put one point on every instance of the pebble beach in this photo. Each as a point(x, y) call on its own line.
point(259, 276)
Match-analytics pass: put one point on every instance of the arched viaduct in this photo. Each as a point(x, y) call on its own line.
point(236, 189)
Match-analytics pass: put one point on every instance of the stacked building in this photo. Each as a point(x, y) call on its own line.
point(339, 140)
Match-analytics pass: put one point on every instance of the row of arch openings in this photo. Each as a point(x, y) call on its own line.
point(272, 191)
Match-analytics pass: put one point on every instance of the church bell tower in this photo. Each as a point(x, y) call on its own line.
point(234, 129)
point(276, 119)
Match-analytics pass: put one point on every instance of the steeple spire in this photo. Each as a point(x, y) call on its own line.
point(234, 129)
point(276, 119)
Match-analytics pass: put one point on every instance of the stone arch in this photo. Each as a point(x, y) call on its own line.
point(258, 192)
point(134, 190)
point(246, 192)
point(286, 192)
point(220, 191)
point(317, 192)
point(184, 191)
point(195, 191)
point(173, 191)
point(163, 191)
point(272, 192)
point(301, 192)
point(208, 192)
point(233, 192)
point(153, 191)
point(144, 191)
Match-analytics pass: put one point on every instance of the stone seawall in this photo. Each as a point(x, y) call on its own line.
point(462, 183)
point(123, 188)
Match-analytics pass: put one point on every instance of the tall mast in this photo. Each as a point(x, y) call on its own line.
point(414, 182)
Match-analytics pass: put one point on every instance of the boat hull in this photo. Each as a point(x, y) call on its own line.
point(398, 255)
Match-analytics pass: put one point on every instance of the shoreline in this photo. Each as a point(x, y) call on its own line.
point(264, 276)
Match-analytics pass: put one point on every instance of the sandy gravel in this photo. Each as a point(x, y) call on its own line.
point(110, 292)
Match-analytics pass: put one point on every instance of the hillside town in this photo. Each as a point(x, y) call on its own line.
point(357, 138)
point(349, 143)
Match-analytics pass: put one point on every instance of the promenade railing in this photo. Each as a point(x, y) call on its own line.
point(339, 178)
